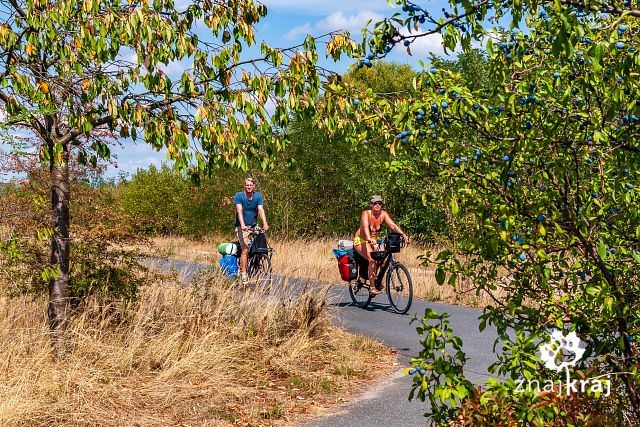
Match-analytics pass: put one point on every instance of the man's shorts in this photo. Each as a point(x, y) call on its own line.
point(243, 237)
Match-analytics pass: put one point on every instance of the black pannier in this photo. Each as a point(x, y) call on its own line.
point(362, 264)
point(393, 242)
point(260, 244)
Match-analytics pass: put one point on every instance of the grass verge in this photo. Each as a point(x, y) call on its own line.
point(204, 355)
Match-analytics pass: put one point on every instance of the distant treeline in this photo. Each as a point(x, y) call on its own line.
point(319, 189)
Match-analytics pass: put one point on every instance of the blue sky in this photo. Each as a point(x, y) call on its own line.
point(286, 24)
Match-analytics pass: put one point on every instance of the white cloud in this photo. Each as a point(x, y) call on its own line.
point(423, 46)
point(339, 20)
point(300, 30)
point(174, 69)
point(336, 21)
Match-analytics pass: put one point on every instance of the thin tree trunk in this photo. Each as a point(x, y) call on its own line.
point(59, 286)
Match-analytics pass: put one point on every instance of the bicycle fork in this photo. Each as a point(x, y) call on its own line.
point(395, 284)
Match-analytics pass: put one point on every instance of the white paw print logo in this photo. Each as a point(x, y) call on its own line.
point(569, 344)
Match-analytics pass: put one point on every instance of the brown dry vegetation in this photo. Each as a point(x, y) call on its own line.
point(199, 355)
point(313, 259)
point(202, 355)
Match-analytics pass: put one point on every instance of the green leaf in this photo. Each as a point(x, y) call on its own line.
point(454, 207)
point(440, 275)
point(602, 250)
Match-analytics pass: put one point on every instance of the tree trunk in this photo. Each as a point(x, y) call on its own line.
point(59, 285)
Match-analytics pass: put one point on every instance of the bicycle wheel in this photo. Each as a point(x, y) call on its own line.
point(399, 288)
point(260, 270)
point(359, 291)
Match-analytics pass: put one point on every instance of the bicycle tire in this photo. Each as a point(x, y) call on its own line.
point(359, 292)
point(399, 288)
point(260, 269)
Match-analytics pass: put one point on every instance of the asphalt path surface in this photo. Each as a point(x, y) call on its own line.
point(386, 403)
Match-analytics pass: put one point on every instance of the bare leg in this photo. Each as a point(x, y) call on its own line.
point(373, 271)
point(364, 249)
point(244, 256)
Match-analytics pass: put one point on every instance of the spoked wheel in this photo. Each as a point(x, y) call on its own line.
point(260, 271)
point(359, 291)
point(399, 288)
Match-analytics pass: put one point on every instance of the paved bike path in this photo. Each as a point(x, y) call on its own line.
point(386, 403)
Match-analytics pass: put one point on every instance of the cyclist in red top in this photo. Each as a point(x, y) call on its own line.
point(366, 238)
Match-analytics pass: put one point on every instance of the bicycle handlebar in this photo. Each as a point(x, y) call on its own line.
point(255, 229)
point(403, 241)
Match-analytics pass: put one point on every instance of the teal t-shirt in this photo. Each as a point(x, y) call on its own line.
point(249, 207)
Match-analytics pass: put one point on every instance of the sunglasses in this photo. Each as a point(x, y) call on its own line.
point(377, 203)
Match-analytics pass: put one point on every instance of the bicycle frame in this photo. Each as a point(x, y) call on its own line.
point(397, 280)
point(254, 264)
point(383, 266)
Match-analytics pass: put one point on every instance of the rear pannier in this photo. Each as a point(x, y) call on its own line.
point(346, 265)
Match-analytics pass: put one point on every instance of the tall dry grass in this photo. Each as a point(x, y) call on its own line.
point(313, 259)
point(203, 355)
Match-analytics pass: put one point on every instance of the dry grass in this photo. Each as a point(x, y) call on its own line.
point(313, 259)
point(202, 355)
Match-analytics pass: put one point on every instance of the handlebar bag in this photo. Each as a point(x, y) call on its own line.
point(393, 242)
point(260, 244)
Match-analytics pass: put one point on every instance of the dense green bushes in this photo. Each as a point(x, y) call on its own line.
point(318, 189)
point(99, 265)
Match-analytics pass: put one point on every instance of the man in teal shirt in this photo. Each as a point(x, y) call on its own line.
point(249, 204)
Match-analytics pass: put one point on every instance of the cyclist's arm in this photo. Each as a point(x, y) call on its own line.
point(241, 217)
point(263, 217)
point(394, 227)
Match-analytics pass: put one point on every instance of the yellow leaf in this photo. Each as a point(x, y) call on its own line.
point(542, 230)
point(171, 149)
point(29, 49)
point(45, 87)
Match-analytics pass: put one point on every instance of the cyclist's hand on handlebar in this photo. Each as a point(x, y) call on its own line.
point(245, 228)
point(406, 238)
point(265, 227)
